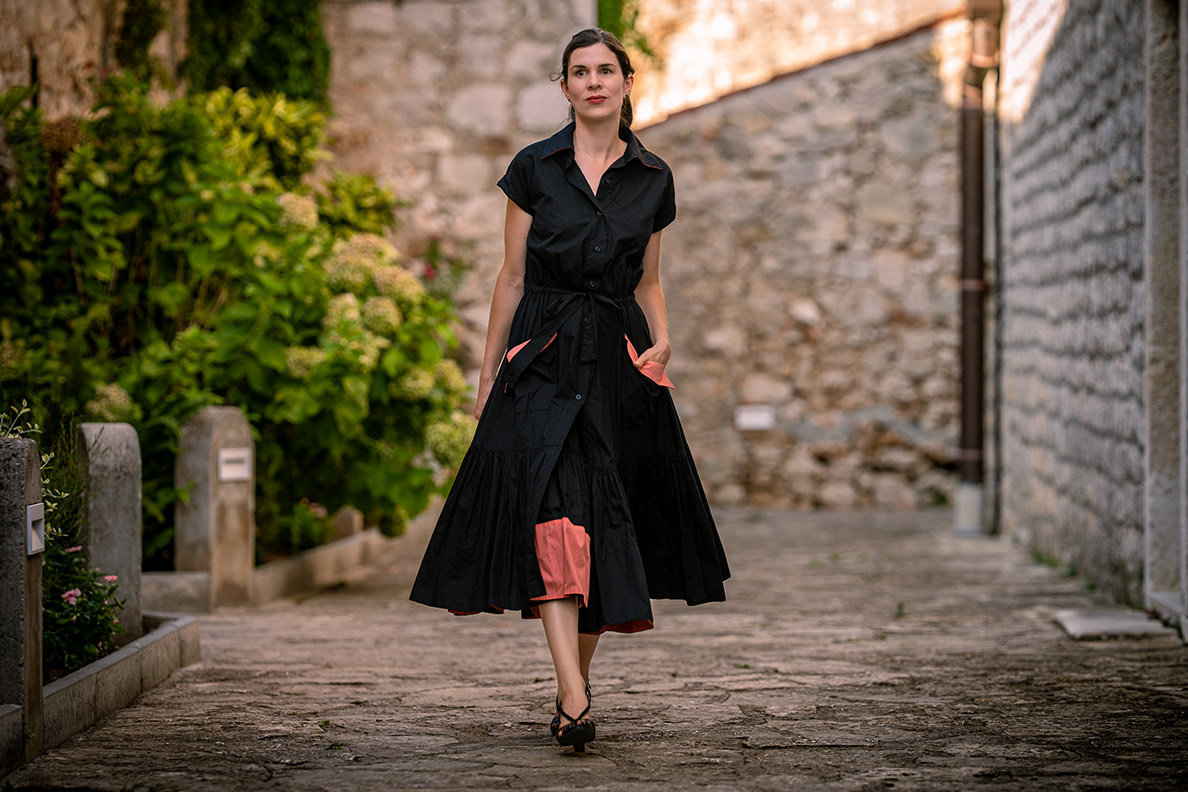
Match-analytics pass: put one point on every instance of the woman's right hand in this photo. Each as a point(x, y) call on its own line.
point(484, 392)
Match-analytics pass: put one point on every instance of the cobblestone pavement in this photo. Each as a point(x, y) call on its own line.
point(856, 652)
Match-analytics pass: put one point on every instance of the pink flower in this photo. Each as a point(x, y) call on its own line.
point(111, 578)
point(72, 596)
point(73, 549)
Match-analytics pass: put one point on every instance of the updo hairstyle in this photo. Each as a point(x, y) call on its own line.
point(588, 38)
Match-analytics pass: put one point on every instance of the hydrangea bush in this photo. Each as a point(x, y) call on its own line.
point(158, 259)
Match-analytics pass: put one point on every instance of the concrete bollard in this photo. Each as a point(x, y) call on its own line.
point(215, 528)
point(20, 593)
point(109, 454)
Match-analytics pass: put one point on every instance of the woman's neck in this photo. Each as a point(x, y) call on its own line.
point(598, 141)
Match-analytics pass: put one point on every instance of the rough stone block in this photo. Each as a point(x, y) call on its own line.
point(482, 16)
point(531, 60)
point(883, 202)
point(373, 17)
point(426, 17)
point(541, 108)
point(764, 389)
point(460, 172)
point(109, 454)
point(482, 108)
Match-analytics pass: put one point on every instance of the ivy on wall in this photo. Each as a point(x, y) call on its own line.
point(620, 17)
point(262, 45)
point(140, 23)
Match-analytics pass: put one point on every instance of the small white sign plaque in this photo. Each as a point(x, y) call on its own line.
point(754, 417)
point(235, 464)
point(35, 529)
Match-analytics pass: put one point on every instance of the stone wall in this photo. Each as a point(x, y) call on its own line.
point(1072, 291)
point(709, 48)
point(65, 44)
point(434, 97)
point(811, 272)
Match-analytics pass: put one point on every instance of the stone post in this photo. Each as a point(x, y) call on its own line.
point(347, 521)
point(215, 525)
point(109, 455)
point(20, 593)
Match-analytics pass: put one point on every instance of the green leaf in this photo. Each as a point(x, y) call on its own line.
point(271, 353)
point(171, 297)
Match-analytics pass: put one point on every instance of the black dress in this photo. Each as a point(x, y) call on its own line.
point(579, 480)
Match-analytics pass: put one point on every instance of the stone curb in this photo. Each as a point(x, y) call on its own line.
point(77, 700)
point(308, 570)
point(316, 568)
point(1113, 623)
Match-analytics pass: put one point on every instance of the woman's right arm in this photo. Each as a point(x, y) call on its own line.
point(509, 288)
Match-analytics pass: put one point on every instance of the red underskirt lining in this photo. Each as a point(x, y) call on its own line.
point(639, 625)
point(563, 552)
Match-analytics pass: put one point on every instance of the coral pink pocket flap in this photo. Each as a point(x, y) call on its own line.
point(511, 353)
point(655, 372)
point(652, 370)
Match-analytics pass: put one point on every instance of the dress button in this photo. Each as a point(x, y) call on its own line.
point(578, 397)
point(597, 249)
point(599, 214)
point(590, 284)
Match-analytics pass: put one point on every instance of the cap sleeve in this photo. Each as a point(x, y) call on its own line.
point(517, 182)
point(666, 212)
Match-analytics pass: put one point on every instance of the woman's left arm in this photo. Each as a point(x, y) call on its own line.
point(650, 297)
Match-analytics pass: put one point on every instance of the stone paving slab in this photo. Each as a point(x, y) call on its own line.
point(856, 652)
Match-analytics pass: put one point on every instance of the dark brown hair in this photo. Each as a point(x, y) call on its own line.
point(588, 38)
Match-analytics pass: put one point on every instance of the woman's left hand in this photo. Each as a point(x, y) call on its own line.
point(659, 353)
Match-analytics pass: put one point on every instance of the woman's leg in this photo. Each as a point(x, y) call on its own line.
point(586, 646)
point(560, 618)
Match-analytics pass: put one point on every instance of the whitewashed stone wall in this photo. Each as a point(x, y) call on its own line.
point(812, 269)
point(434, 97)
point(1072, 293)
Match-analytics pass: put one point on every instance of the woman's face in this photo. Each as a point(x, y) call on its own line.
point(594, 83)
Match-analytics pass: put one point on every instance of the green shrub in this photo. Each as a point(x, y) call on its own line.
point(158, 265)
point(262, 45)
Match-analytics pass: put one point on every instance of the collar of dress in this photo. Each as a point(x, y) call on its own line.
point(563, 141)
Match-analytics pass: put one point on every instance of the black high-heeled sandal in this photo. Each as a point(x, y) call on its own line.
point(579, 730)
point(555, 726)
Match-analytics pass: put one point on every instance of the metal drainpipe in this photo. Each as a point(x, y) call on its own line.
point(984, 16)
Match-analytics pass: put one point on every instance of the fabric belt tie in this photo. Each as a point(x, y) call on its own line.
point(565, 306)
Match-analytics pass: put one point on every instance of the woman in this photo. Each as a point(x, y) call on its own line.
point(578, 500)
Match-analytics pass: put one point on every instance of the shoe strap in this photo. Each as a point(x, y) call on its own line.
point(572, 720)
